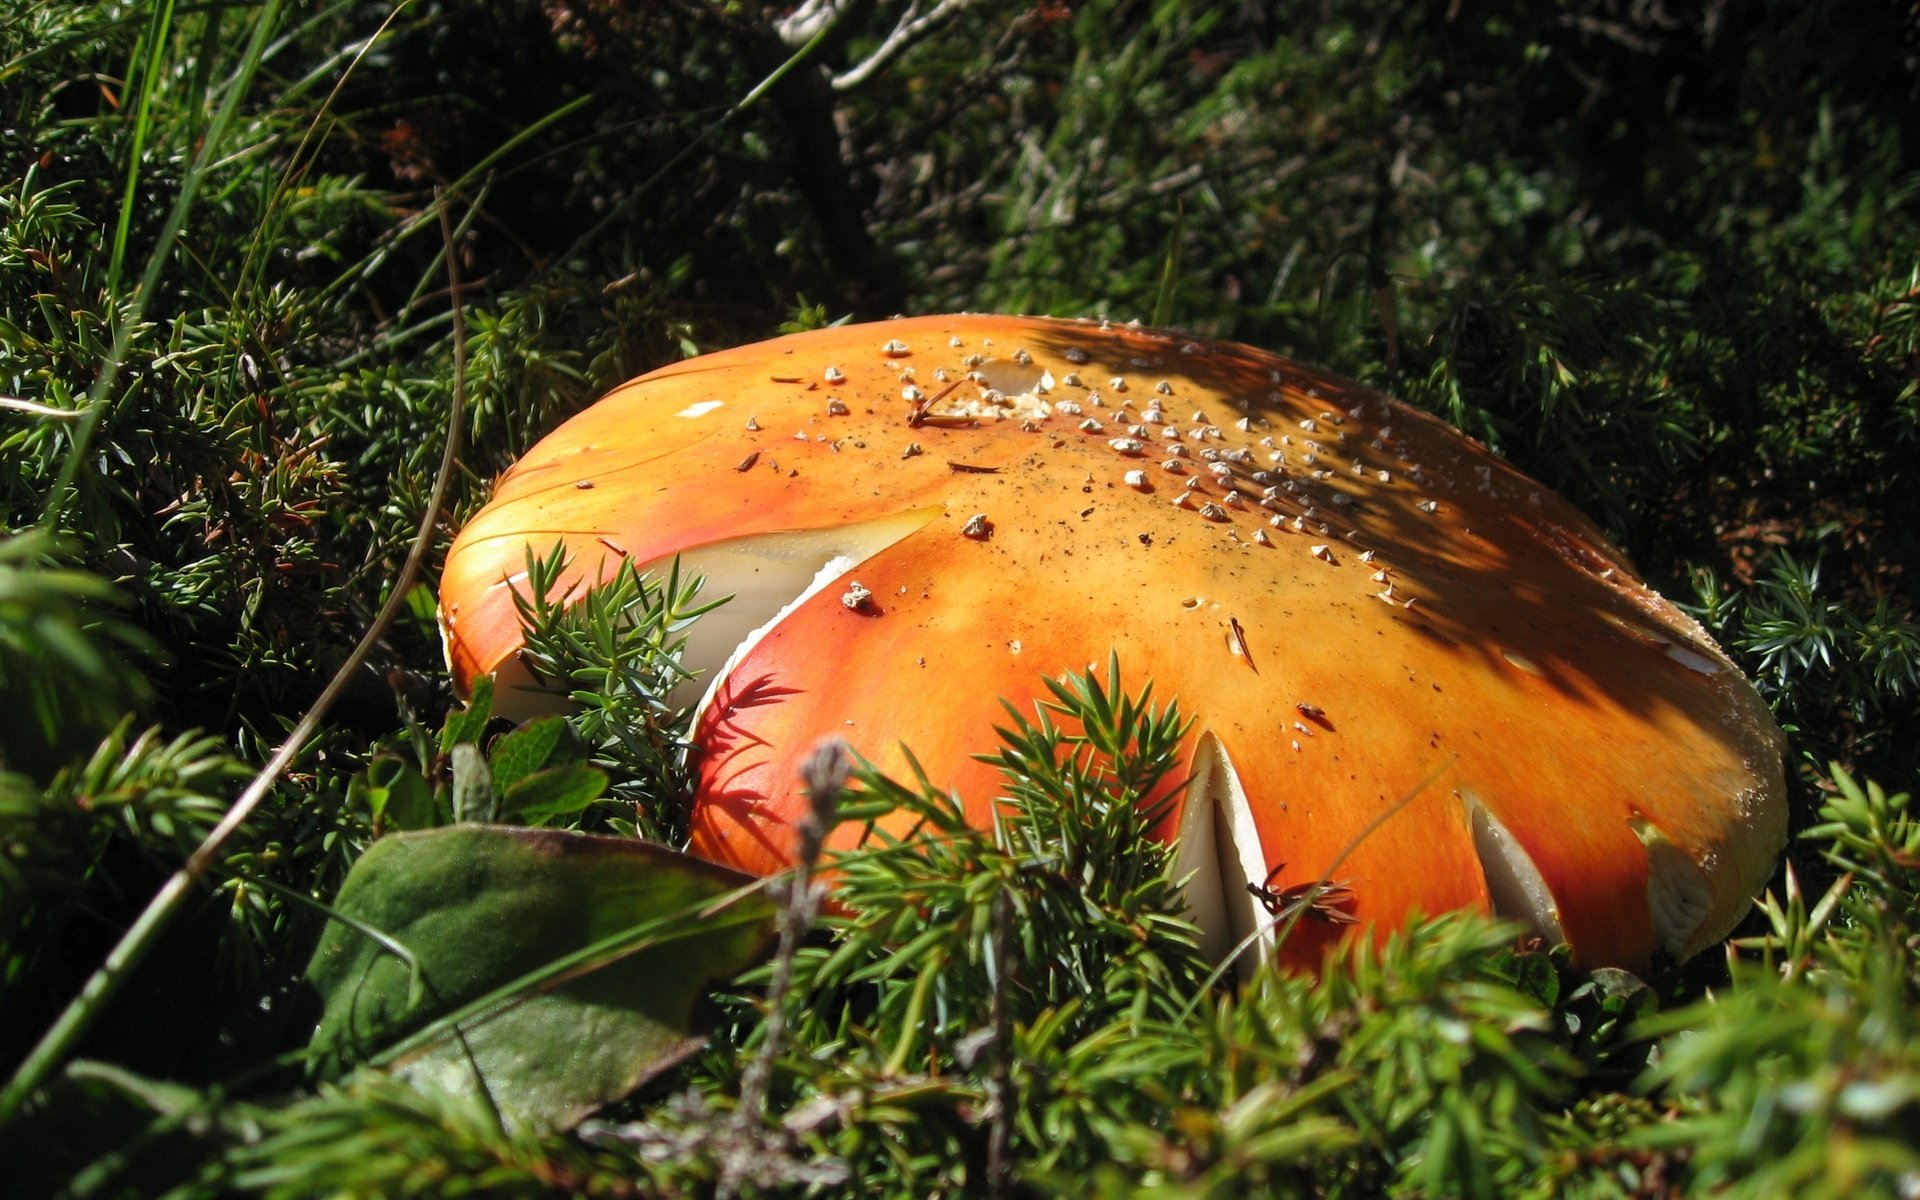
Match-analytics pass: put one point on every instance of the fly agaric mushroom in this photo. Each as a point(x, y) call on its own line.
point(919, 517)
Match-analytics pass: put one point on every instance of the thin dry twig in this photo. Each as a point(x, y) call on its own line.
point(35, 408)
point(825, 772)
point(1000, 1084)
point(910, 28)
point(126, 955)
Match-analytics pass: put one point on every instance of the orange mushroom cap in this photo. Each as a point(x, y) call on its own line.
point(919, 517)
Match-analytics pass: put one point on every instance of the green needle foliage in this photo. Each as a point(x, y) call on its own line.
point(1661, 259)
point(1066, 901)
point(1806, 1080)
point(615, 656)
point(1839, 677)
point(64, 677)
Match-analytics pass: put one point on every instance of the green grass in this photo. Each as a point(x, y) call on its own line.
point(262, 264)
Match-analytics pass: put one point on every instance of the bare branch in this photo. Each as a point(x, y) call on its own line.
point(912, 26)
point(16, 404)
point(808, 18)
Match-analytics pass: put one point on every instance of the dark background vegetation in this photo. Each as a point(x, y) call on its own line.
point(1665, 257)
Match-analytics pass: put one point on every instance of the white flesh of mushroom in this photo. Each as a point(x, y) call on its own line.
point(1514, 885)
point(1679, 894)
point(765, 577)
point(1219, 856)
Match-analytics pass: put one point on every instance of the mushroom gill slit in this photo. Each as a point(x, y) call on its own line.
point(1515, 888)
point(1219, 856)
point(765, 577)
point(1679, 893)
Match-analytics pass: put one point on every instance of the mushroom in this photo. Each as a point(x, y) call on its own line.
point(1412, 669)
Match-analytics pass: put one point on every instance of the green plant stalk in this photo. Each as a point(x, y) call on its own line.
point(301, 160)
point(1000, 1081)
point(159, 27)
point(916, 1013)
point(416, 978)
point(130, 318)
point(84, 1009)
point(753, 97)
point(1170, 271)
point(519, 138)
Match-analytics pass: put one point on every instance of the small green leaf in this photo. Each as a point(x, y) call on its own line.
point(470, 723)
point(1532, 975)
point(395, 792)
point(526, 750)
point(1622, 993)
point(410, 802)
point(555, 792)
point(473, 795)
point(422, 605)
point(560, 971)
